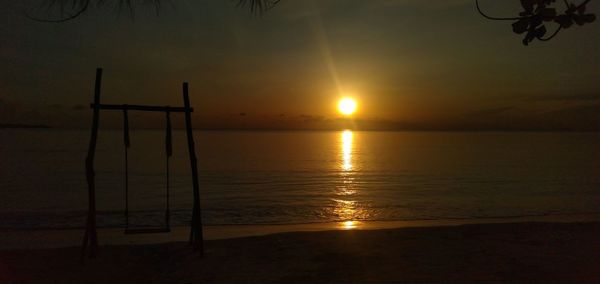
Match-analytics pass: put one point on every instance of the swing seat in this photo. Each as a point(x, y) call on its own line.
point(137, 231)
point(169, 151)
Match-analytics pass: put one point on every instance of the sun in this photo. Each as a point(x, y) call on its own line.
point(347, 106)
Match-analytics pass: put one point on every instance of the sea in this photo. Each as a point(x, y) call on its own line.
point(296, 177)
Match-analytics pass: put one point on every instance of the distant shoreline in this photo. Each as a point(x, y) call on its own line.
point(41, 126)
point(28, 126)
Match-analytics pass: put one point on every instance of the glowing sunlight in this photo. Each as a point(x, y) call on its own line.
point(347, 106)
point(349, 225)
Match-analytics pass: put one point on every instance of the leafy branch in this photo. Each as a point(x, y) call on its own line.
point(531, 21)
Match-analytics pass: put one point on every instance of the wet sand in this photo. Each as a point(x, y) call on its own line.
point(505, 252)
point(56, 238)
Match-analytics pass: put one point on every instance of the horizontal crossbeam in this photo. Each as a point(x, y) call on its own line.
point(142, 108)
point(147, 231)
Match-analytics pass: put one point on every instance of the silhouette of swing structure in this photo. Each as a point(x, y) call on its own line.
point(90, 238)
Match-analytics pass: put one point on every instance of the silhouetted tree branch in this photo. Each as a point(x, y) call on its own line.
point(71, 9)
point(80, 10)
point(531, 21)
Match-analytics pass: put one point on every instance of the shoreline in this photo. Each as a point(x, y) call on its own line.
point(15, 239)
point(522, 252)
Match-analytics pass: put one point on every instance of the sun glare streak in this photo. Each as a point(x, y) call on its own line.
point(323, 41)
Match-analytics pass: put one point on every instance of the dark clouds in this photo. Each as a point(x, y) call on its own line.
point(586, 97)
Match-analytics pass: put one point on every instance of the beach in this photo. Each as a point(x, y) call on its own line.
point(279, 141)
point(540, 252)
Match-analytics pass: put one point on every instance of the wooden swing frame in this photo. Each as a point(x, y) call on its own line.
point(90, 237)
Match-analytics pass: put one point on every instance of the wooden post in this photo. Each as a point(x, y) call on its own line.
point(90, 236)
point(196, 233)
point(126, 142)
point(169, 153)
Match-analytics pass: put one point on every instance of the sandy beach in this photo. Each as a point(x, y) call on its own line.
point(538, 252)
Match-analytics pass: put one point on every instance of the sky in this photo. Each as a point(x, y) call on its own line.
point(410, 64)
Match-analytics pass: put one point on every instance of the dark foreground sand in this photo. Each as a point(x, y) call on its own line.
point(519, 252)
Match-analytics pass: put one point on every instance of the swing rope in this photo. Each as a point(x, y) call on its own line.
point(126, 143)
point(169, 153)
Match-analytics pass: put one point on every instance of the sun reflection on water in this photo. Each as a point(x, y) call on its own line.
point(346, 208)
point(347, 150)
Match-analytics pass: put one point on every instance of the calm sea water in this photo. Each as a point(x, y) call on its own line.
point(299, 177)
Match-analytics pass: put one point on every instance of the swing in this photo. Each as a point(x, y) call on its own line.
point(169, 152)
point(89, 246)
